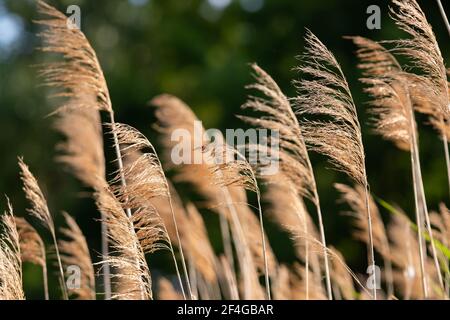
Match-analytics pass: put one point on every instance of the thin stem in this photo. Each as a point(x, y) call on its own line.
point(226, 239)
point(419, 194)
point(44, 274)
point(419, 180)
point(318, 210)
point(371, 250)
point(124, 185)
point(444, 16)
point(105, 253)
point(306, 258)
point(410, 264)
point(195, 282)
point(180, 247)
point(419, 231)
point(263, 239)
point(243, 255)
point(177, 270)
point(174, 220)
point(324, 243)
point(61, 270)
point(427, 217)
point(261, 225)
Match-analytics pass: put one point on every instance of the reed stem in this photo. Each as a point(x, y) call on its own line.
point(371, 249)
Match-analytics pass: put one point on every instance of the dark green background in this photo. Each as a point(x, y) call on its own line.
point(200, 54)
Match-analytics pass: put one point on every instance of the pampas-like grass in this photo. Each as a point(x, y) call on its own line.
point(40, 211)
point(142, 212)
point(32, 248)
point(82, 152)
point(79, 78)
point(431, 94)
point(338, 136)
point(229, 202)
point(11, 287)
point(146, 180)
point(294, 158)
point(393, 118)
point(133, 280)
point(75, 251)
point(230, 168)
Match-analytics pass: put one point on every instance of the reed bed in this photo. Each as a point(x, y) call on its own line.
point(143, 214)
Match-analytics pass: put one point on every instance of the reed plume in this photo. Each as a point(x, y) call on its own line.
point(82, 150)
point(32, 248)
point(133, 280)
point(40, 211)
point(393, 118)
point(229, 202)
point(79, 79)
point(11, 287)
point(294, 158)
point(146, 180)
point(338, 136)
point(431, 95)
point(230, 168)
point(75, 251)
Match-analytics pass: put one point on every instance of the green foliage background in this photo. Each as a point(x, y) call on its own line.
point(200, 53)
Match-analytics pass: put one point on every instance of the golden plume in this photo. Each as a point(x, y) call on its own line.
point(293, 155)
point(11, 287)
point(39, 210)
point(229, 202)
point(133, 280)
point(337, 134)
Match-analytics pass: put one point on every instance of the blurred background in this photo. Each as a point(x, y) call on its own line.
point(198, 50)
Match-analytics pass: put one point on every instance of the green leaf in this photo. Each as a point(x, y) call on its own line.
point(439, 245)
